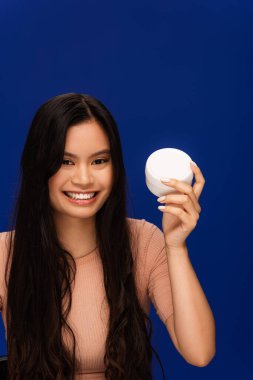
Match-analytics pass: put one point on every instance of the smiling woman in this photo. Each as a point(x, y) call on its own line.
point(80, 274)
point(77, 276)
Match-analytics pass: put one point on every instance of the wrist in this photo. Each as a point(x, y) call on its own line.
point(176, 250)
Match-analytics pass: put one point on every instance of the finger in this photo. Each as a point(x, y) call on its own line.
point(185, 188)
point(175, 198)
point(186, 218)
point(183, 200)
point(199, 180)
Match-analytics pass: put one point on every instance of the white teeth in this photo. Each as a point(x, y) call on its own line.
point(80, 196)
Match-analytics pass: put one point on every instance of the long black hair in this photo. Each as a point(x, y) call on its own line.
point(42, 271)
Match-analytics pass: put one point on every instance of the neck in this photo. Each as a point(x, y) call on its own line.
point(76, 235)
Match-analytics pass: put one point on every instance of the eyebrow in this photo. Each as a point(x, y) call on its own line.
point(92, 155)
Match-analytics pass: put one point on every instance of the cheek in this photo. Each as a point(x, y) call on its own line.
point(110, 178)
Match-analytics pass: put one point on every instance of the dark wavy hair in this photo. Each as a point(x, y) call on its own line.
point(41, 271)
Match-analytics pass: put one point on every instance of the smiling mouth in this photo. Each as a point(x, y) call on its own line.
point(95, 193)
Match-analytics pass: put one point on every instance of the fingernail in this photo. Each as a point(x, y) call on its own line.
point(165, 179)
point(161, 207)
point(161, 199)
point(194, 163)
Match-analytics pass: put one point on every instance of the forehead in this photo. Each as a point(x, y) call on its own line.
point(86, 137)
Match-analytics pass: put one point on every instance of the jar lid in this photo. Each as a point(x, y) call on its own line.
point(167, 163)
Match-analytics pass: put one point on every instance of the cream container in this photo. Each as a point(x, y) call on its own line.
point(167, 163)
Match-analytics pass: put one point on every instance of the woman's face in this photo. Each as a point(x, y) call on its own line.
point(83, 170)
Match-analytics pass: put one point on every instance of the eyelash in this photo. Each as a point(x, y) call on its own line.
point(98, 159)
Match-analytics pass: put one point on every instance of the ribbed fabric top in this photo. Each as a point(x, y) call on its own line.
point(89, 313)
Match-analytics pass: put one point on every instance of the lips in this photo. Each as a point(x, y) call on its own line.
point(75, 192)
point(80, 192)
point(82, 202)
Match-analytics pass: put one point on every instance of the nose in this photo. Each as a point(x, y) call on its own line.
point(82, 176)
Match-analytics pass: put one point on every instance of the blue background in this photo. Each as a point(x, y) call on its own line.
point(174, 74)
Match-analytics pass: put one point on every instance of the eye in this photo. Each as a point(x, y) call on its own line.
point(99, 159)
point(66, 161)
point(102, 159)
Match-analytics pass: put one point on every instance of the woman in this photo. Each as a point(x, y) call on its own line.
point(80, 274)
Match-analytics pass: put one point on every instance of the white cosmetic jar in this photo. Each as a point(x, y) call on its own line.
point(167, 163)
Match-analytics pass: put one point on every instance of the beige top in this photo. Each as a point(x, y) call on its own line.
point(90, 312)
